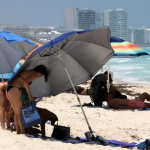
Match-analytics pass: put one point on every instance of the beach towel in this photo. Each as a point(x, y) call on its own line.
point(79, 140)
point(115, 143)
point(91, 106)
point(69, 140)
point(106, 107)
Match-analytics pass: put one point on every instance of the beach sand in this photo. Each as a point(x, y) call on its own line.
point(122, 125)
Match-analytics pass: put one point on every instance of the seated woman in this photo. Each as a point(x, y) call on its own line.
point(129, 104)
point(14, 91)
point(4, 106)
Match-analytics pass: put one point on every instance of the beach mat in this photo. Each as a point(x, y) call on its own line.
point(115, 143)
point(69, 140)
point(91, 106)
point(79, 140)
point(106, 107)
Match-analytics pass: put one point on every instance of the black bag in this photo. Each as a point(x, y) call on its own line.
point(61, 132)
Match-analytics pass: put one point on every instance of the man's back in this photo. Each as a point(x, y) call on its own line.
point(97, 89)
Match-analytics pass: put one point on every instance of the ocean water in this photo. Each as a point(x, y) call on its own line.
point(131, 70)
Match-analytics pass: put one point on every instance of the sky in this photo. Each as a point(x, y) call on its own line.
point(50, 12)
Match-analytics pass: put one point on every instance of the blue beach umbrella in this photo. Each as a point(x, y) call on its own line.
point(12, 49)
point(23, 45)
point(7, 76)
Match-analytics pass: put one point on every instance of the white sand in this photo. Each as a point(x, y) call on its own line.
point(125, 125)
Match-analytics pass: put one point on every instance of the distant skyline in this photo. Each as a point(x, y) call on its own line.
point(50, 12)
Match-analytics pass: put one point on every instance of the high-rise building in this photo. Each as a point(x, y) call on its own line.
point(139, 36)
point(99, 20)
point(130, 35)
point(117, 20)
point(146, 35)
point(85, 19)
point(70, 17)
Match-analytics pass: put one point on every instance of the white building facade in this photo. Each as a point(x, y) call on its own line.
point(146, 34)
point(83, 19)
point(117, 20)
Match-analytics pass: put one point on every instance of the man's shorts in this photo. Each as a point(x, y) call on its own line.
point(136, 103)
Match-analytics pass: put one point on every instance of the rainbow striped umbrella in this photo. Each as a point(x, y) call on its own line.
point(125, 49)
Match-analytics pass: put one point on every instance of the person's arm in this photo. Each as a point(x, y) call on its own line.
point(26, 85)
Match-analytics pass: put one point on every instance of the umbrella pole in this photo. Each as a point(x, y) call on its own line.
point(90, 129)
point(2, 78)
point(108, 84)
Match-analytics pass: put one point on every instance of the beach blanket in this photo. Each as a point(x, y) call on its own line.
point(106, 107)
point(79, 140)
point(69, 140)
point(115, 143)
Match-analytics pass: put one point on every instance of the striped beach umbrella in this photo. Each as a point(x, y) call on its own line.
point(125, 49)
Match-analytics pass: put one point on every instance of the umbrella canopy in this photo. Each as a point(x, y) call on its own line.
point(39, 45)
point(9, 57)
point(23, 45)
point(12, 49)
point(126, 49)
point(83, 54)
point(7, 76)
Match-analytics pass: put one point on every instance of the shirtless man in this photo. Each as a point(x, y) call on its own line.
point(139, 102)
point(4, 106)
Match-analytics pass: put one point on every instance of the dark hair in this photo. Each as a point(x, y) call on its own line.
point(79, 89)
point(106, 72)
point(43, 70)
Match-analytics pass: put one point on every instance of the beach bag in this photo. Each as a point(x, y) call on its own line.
point(30, 115)
point(61, 132)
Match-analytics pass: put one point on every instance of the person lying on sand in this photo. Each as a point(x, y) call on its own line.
point(139, 102)
point(4, 106)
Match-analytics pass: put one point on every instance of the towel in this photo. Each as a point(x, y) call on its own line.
point(79, 140)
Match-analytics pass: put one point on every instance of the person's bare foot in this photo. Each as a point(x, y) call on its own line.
point(3, 128)
point(23, 131)
point(18, 132)
point(9, 128)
